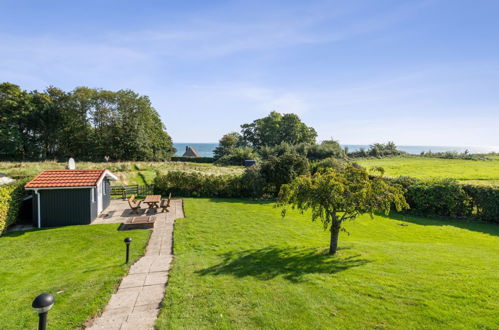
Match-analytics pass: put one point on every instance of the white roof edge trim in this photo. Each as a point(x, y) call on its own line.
point(110, 175)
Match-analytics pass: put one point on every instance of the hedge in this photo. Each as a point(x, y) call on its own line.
point(193, 159)
point(442, 197)
point(200, 185)
point(11, 196)
point(448, 198)
point(484, 201)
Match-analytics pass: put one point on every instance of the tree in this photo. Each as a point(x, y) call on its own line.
point(275, 129)
point(227, 144)
point(277, 171)
point(340, 195)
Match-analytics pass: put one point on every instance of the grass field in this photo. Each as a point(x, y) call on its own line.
point(239, 265)
point(80, 265)
point(127, 172)
point(472, 171)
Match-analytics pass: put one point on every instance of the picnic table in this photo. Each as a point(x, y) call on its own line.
point(152, 201)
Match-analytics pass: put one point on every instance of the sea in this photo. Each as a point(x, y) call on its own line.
point(206, 149)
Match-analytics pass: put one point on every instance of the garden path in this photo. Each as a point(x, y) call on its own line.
point(136, 303)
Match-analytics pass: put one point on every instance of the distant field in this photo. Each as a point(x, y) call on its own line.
point(472, 171)
point(127, 172)
point(483, 172)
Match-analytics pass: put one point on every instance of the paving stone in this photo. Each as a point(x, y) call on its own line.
point(156, 278)
point(133, 280)
point(136, 303)
point(152, 294)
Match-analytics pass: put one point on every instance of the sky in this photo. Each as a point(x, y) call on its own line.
point(412, 72)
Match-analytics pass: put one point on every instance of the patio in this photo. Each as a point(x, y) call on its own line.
point(119, 211)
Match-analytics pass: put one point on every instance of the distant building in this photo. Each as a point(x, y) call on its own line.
point(191, 152)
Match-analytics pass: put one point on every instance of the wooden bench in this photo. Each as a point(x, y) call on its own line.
point(134, 205)
point(165, 203)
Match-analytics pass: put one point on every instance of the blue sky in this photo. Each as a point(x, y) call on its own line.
point(415, 72)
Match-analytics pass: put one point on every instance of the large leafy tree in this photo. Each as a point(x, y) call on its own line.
point(336, 196)
point(275, 129)
point(84, 123)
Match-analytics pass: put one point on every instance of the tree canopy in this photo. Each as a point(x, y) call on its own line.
point(335, 196)
point(85, 123)
point(275, 129)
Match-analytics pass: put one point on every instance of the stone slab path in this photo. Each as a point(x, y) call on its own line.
point(136, 303)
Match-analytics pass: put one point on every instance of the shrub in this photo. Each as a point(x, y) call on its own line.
point(199, 185)
point(237, 156)
point(11, 196)
point(485, 201)
point(282, 170)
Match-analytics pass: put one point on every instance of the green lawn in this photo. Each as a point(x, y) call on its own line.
point(80, 265)
point(479, 171)
point(239, 265)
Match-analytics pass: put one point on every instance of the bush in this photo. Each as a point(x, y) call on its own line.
point(450, 199)
point(485, 201)
point(199, 185)
point(11, 196)
point(282, 170)
point(454, 155)
point(237, 156)
point(192, 159)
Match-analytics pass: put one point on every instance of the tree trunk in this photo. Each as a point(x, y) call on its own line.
point(335, 232)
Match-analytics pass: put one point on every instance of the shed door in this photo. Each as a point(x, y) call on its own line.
point(99, 197)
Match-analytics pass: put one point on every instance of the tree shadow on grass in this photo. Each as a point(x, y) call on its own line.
point(291, 263)
point(469, 224)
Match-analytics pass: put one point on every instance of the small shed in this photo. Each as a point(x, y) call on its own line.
point(191, 152)
point(69, 197)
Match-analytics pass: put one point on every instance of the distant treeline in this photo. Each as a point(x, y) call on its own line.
point(86, 123)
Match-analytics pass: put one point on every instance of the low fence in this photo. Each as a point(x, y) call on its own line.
point(134, 189)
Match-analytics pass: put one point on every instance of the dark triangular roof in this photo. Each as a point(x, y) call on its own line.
point(191, 152)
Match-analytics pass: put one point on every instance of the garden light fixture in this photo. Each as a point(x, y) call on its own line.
point(42, 304)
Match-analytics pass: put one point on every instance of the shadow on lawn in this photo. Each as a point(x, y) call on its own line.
point(469, 224)
point(291, 263)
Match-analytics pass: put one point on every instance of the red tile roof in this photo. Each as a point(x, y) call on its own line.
point(65, 178)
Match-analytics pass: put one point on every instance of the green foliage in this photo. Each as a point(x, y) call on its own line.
point(227, 144)
point(339, 195)
point(327, 149)
point(197, 185)
point(378, 150)
point(237, 156)
point(11, 196)
point(206, 160)
point(84, 123)
point(277, 171)
point(275, 129)
point(454, 155)
point(484, 201)
point(327, 164)
point(448, 198)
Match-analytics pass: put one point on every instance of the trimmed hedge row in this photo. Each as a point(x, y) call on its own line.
point(192, 159)
point(11, 196)
point(200, 185)
point(448, 198)
point(445, 197)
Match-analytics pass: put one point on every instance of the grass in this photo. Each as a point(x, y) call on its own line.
point(127, 172)
point(475, 171)
point(238, 265)
point(80, 265)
